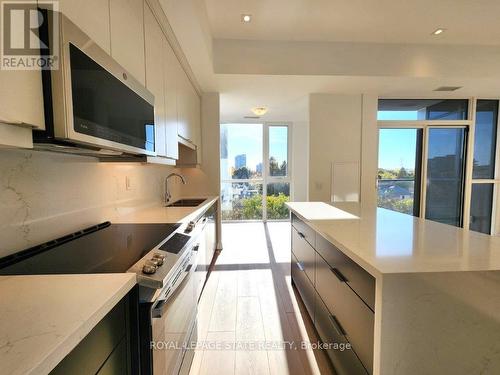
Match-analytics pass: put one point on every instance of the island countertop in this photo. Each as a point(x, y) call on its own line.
point(388, 242)
point(43, 318)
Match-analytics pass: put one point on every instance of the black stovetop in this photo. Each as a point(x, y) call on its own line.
point(105, 248)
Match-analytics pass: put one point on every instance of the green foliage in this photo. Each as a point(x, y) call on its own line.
point(241, 173)
point(276, 208)
point(251, 208)
point(391, 174)
point(400, 205)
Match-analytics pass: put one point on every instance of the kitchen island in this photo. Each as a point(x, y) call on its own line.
point(410, 295)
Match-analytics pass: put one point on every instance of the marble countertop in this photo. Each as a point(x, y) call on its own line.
point(162, 214)
point(43, 318)
point(388, 242)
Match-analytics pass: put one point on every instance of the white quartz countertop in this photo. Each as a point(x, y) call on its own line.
point(162, 214)
point(43, 318)
point(384, 241)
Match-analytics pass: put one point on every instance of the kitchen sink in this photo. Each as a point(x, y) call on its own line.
point(187, 202)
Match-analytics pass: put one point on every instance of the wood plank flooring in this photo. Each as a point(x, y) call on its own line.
point(249, 313)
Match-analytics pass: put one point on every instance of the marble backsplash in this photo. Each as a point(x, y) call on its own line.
point(46, 195)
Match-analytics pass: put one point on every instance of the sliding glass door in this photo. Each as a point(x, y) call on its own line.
point(445, 174)
point(432, 154)
point(399, 166)
point(255, 171)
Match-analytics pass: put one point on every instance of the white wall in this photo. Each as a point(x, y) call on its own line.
point(45, 195)
point(300, 160)
point(335, 137)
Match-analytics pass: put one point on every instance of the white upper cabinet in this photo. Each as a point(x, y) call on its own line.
point(189, 107)
point(155, 75)
point(170, 64)
point(92, 16)
point(127, 35)
point(21, 98)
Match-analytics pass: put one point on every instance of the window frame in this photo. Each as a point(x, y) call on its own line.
point(469, 155)
point(266, 178)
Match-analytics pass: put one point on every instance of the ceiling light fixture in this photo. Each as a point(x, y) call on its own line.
point(259, 111)
point(246, 18)
point(438, 31)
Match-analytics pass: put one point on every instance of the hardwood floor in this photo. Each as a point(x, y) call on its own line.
point(249, 313)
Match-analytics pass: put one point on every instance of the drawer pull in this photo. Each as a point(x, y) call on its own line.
point(337, 325)
point(300, 266)
point(301, 235)
point(338, 274)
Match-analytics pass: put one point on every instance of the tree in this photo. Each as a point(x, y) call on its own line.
point(241, 173)
point(402, 173)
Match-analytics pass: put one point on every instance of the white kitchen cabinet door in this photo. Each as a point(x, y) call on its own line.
point(155, 75)
point(92, 16)
point(195, 119)
point(184, 129)
point(127, 36)
point(15, 136)
point(171, 121)
point(21, 98)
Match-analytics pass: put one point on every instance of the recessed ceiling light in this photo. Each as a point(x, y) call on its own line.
point(259, 111)
point(438, 31)
point(246, 18)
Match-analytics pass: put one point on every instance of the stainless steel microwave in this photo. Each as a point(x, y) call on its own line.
point(92, 104)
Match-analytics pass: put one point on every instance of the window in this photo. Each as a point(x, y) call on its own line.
point(481, 206)
point(445, 175)
point(422, 109)
point(255, 171)
point(485, 136)
point(454, 190)
point(483, 170)
point(399, 170)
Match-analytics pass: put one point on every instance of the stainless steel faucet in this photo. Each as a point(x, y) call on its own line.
point(168, 196)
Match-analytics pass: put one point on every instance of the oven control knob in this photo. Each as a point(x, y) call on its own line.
point(148, 269)
point(158, 255)
point(157, 261)
point(189, 227)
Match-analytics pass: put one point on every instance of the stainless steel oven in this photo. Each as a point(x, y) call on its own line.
point(91, 101)
point(169, 300)
point(174, 319)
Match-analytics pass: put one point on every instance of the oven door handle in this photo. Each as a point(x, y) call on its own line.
point(160, 307)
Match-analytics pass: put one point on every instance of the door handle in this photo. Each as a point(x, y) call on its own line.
point(336, 324)
point(338, 274)
point(301, 235)
point(300, 266)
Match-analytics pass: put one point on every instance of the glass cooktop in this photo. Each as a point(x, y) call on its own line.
point(104, 248)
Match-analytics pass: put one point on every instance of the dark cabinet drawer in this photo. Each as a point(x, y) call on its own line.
point(303, 285)
point(304, 253)
point(345, 362)
point(95, 349)
point(304, 230)
point(358, 279)
point(355, 318)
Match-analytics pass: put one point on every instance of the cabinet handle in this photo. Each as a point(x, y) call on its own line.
point(301, 235)
point(338, 274)
point(300, 266)
point(336, 324)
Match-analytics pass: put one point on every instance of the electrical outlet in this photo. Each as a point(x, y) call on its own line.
point(128, 185)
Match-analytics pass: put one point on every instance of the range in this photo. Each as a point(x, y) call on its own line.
point(170, 261)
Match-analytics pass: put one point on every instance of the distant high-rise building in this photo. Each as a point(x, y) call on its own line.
point(258, 168)
point(240, 161)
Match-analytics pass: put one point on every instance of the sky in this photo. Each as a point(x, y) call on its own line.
point(248, 139)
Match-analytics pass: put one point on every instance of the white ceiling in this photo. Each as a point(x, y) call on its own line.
point(382, 21)
point(468, 22)
point(287, 96)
